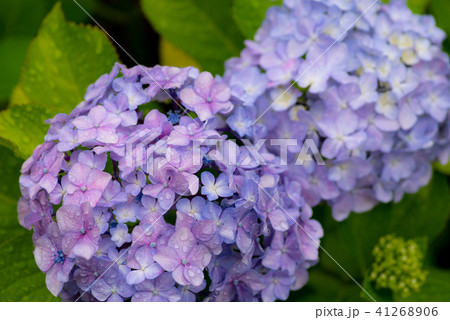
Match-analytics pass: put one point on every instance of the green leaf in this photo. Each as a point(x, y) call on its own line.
point(441, 11)
point(14, 14)
point(204, 29)
point(172, 56)
point(249, 14)
point(15, 35)
point(418, 215)
point(20, 278)
point(18, 97)
point(9, 171)
point(63, 60)
point(23, 17)
point(445, 169)
point(23, 127)
point(12, 52)
point(418, 6)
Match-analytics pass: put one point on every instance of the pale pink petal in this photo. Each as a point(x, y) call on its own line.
point(167, 259)
point(85, 247)
point(182, 241)
point(203, 111)
point(221, 92)
point(82, 123)
point(178, 276)
point(200, 256)
point(190, 98)
point(69, 218)
point(98, 180)
point(203, 84)
point(97, 114)
point(78, 174)
point(194, 275)
point(135, 277)
point(107, 135)
point(44, 253)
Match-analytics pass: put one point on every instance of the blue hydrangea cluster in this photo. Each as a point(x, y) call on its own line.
point(367, 81)
point(127, 203)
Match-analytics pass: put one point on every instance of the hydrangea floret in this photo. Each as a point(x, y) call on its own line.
point(368, 82)
point(127, 203)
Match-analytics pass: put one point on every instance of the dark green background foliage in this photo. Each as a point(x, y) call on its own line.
point(50, 52)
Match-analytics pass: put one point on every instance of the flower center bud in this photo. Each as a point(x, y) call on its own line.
point(209, 100)
point(184, 261)
point(235, 282)
point(59, 257)
point(82, 231)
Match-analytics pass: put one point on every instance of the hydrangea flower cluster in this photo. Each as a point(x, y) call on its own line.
point(367, 81)
point(398, 265)
point(128, 203)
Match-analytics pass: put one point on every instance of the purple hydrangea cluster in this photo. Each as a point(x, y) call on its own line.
point(128, 203)
point(366, 81)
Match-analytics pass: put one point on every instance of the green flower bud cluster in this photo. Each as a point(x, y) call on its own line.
point(398, 265)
